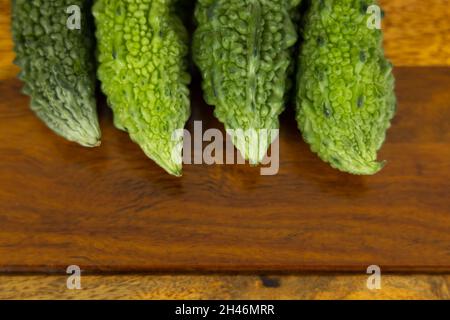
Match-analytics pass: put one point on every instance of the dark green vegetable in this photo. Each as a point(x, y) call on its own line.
point(142, 51)
point(57, 66)
point(345, 97)
point(243, 49)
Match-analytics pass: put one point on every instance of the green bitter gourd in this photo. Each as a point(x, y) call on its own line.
point(142, 51)
point(243, 49)
point(57, 66)
point(345, 96)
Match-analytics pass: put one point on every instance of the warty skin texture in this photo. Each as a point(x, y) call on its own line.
point(142, 49)
point(345, 96)
point(57, 67)
point(243, 49)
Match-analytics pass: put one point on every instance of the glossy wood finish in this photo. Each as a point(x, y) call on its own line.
point(111, 208)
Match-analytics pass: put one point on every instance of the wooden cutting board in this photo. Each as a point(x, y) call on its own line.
point(112, 209)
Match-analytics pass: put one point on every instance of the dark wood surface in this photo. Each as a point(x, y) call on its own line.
point(113, 209)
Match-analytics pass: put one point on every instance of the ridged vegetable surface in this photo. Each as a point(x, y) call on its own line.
point(142, 50)
point(57, 66)
point(243, 49)
point(345, 97)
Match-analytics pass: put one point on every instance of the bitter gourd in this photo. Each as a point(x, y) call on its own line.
point(57, 66)
point(243, 49)
point(142, 54)
point(345, 97)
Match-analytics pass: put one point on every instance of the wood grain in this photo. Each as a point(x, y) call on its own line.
point(7, 68)
point(47, 238)
point(111, 208)
point(226, 287)
point(417, 32)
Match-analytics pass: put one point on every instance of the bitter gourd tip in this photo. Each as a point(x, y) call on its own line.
point(70, 122)
point(176, 171)
point(85, 141)
point(357, 168)
point(254, 148)
point(91, 142)
point(172, 167)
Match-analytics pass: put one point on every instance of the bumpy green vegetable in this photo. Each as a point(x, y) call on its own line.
point(57, 66)
point(346, 94)
point(142, 49)
point(243, 49)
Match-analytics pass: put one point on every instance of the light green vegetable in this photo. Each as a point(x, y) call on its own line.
point(345, 97)
point(243, 49)
point(142, 49)
point(57, 66)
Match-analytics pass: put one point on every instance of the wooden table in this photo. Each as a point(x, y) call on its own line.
point(111, 209)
